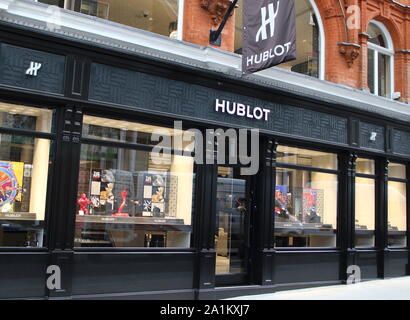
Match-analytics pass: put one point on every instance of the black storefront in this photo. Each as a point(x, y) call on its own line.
point(145, 230)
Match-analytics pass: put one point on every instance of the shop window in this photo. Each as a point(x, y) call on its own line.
point(397, 205)
point(232, 216)
point(51, 2)
point(126, 196)
point(380, 64)
point(308, 39)
point(365, 198)
point(157, 16)
point(24, 170)
point(305, 198)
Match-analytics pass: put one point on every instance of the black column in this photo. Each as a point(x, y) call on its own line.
point(204, 238)
point(68, 148)
point(263, 217)
point(381, 214)
point(346, 211)
point(61, 231)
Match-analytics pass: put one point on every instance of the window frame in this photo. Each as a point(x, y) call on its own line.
point(406, 182)
point(389, 51)
point(136, 147)
point(373, 177)
point(335, 172)
point(322, 40)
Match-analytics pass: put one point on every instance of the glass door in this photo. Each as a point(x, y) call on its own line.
point(232, 238)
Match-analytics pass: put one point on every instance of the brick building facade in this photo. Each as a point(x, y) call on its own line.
point(345, 24)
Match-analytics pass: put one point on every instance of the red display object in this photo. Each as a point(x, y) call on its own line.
point(83, 201)
point(122, 206)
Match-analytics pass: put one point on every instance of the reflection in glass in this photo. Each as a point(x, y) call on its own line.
point(135, 133)
point(305, 208)
point(397, 170)
point(397, 214)
point(305, 157)
point(50, 2)
point(25, 118)
point(231, 221)
point(384, 74)
point(376, 36)
point(126, 198)
point(24, 164)
point(158, 16)
point(370, 70)
point(365, 166)
point(365, 213)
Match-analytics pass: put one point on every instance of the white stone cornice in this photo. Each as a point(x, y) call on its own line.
point(4, 4)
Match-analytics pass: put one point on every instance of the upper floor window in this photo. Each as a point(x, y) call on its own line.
point(309, 39)
point(380, 74)
point(159, 16)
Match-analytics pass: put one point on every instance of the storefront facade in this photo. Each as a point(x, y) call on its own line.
point(83, 192)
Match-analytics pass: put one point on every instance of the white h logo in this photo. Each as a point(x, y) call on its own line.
point(265, 22)
point(34, 67)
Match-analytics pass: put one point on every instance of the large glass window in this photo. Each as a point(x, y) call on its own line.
point(380, 57)
point(305, 198)
point(307, 39)
point(232, 220)
point(365, 197)
point(24, 168)
point(397, 205)
point(130, 196)
point(158, 16)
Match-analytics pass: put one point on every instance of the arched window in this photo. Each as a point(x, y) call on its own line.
point(380, 55)
point(309, 39)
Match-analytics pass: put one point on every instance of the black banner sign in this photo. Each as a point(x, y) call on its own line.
point(269, 36)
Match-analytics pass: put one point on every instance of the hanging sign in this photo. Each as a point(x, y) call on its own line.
point(269, 36)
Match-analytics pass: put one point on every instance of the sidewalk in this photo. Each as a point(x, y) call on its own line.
point(390, 289)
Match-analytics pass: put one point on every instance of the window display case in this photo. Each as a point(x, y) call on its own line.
point(126, 198)
point(24, 167)
point(305, 200)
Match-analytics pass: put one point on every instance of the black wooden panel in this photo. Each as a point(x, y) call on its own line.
point(366, 130)
point(367, 261)
point(401, 142)
point(396, 263)
point(152, 93)
point(207, 269)
point(77, 77)
point(294, 267)
point(23, 275)
point(15, 61)
point(98, 273)
point(354, 132)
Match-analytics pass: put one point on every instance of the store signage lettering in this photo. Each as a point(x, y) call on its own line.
point(269, 35)
point(241, 110)
point(33, 69)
